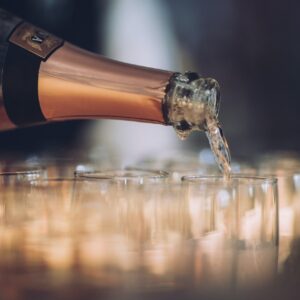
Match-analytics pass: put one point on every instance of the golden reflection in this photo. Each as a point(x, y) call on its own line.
point(143, 237)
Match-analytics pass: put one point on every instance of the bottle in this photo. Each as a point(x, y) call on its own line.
point(45, 79)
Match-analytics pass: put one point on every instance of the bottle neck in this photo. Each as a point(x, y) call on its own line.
point(189, 100)
point(74, 83)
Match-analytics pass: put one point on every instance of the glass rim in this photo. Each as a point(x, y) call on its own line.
point(283, 172)
point(22, 171)
point(243, 179)
point(122, 174)
point(58, 179)
point(47, 182)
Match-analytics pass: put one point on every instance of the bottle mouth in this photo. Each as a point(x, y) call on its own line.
point(189, 99)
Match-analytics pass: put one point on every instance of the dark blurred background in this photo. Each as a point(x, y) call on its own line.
point(250, 47)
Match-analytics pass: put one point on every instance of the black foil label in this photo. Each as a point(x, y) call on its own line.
point(35, 40)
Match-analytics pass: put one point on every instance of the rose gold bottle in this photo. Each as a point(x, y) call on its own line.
point(44, 79)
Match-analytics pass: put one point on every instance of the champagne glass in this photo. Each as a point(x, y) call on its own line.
point(234, 225)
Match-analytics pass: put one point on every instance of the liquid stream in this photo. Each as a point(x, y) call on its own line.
point(217, 141)
point(218, 144)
